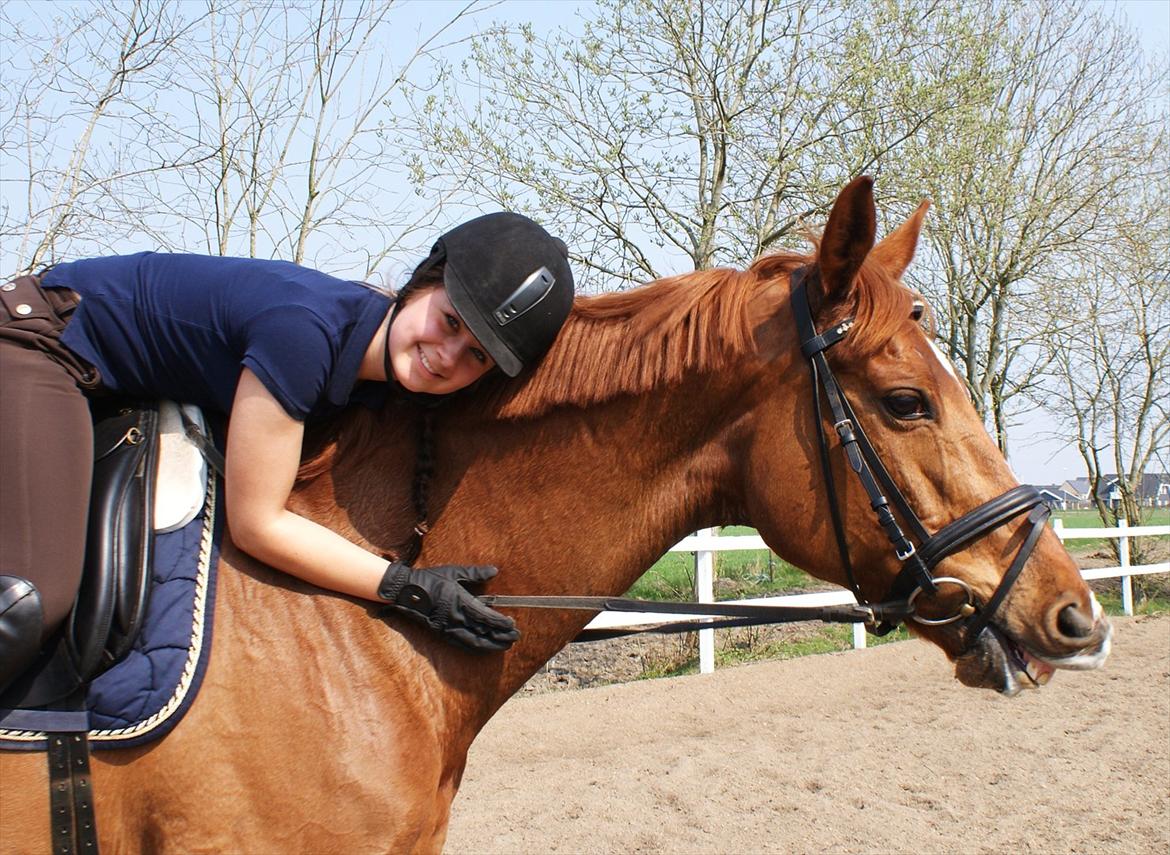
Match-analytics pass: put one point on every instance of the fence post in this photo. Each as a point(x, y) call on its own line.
point(1058, 527)
point(858, 636)
point(1126, 581)
point(705, 593)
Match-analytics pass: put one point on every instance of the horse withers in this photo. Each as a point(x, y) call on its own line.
point(683, 404)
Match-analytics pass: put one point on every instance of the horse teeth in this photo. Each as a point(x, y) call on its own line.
point(1038, 672)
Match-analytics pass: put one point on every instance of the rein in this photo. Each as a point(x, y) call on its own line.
point(913, 580)
point(734, 614)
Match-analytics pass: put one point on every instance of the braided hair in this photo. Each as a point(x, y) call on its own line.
point(429, 274)
point(323, 438)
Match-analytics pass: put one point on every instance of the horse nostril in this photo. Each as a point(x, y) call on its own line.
point(1073, 622)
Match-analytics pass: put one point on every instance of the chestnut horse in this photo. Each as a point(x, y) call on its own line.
point(683, 404)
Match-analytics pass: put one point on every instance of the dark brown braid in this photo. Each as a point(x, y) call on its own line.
point(424, 468)
point(429, 274)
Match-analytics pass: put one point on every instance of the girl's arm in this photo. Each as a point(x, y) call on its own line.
point(263, 454)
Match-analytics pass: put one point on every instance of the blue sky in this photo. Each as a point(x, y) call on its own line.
point(1035, 456)
point(1151, 19)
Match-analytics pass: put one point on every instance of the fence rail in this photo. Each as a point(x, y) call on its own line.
point(707, 542)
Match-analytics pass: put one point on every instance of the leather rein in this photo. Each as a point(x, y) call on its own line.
point(915, 577)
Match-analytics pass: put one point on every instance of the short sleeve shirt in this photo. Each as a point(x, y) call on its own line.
point(184, 327)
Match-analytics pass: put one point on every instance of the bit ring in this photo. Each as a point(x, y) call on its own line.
point(963, 611)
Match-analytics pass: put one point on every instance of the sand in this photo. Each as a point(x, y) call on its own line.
point(876, 750)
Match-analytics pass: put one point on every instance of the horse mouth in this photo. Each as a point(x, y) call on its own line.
point(998, 661)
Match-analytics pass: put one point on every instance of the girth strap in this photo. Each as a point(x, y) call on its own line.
point(71, 815)
point(74, 830)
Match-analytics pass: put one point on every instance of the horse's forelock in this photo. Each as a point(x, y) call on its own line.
point(882, 307)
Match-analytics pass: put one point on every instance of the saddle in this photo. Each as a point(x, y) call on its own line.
point(150, 475)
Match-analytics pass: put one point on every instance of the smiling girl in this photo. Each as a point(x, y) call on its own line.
point(273, 346)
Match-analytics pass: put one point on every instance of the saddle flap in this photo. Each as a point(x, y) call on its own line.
point(116, 581)
point(111, 606)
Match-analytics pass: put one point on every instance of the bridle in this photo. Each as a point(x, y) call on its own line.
point(915, 578)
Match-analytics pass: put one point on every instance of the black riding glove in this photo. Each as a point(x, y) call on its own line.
point(436, 596)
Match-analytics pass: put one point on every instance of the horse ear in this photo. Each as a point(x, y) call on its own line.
point(896, 250)
point(848, 239)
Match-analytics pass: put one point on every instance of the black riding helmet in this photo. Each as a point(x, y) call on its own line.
point(510, 282)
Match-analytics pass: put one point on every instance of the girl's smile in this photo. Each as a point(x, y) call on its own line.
point(430, 348)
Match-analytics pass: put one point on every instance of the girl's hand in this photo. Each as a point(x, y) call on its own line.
point(436, 596)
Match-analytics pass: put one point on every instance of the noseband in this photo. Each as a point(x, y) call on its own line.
point(915, 577)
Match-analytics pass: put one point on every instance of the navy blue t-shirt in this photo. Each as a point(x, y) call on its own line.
point(184, 326)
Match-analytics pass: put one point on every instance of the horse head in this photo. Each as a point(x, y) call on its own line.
point(920, 423)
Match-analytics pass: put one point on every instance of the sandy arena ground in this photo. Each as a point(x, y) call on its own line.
point(878, 750)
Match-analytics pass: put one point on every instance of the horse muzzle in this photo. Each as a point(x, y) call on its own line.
point(993, 659)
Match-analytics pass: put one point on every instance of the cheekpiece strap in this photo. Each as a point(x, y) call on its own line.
point(858, 450)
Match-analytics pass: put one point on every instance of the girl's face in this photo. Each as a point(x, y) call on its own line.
point(431, 350)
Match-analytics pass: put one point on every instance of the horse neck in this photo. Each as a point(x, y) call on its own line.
point(575, 501)
point(582, 501)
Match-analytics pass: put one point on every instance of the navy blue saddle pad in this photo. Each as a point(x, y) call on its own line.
point(146, 694)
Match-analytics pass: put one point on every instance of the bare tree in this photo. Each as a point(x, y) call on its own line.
point(299, 137)
point(1022, 175)
point(700, 132)
point(1110, 386)
point(98, 67)
point(235, 127)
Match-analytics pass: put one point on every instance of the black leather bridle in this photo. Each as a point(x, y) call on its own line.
point(915, 577)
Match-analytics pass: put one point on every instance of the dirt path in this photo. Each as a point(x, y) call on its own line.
point(876, 750)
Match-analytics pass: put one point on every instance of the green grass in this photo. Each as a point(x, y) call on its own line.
point(1142, 605)
point(1079, 518)
point(738, 575)
point(743, 646)
point(1145, 549)
point(1089, 518)
point(1151, 595)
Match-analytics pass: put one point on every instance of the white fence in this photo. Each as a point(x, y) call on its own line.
point(707, 542)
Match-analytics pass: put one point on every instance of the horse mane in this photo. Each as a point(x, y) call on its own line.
point(631, 342)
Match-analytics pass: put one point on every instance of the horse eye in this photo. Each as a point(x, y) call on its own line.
point(906, 404)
